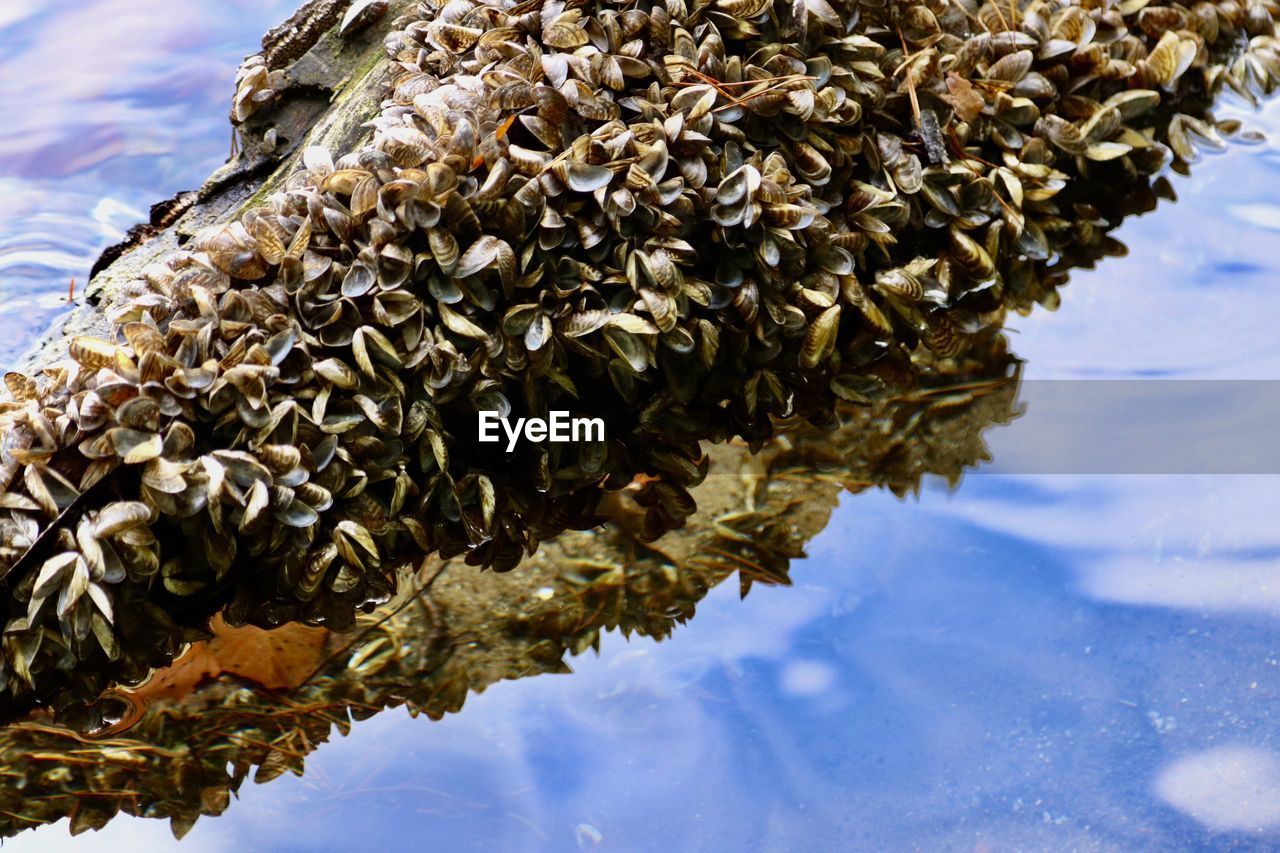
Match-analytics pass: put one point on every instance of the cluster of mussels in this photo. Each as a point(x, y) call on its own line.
point(688, 219)
point(181, 755)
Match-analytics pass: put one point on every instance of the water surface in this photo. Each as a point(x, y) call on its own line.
point(96, 133)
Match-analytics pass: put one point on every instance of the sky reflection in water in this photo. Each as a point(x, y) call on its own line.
point(1032, 661)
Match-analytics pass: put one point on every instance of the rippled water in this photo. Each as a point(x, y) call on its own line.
point(93, 136)
point(1027, 662)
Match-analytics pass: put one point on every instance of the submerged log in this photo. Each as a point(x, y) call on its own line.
point(807, 206)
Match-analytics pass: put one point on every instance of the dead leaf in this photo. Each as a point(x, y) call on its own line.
point(967, 101)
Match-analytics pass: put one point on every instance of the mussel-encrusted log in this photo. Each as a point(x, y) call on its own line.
point(687, 219)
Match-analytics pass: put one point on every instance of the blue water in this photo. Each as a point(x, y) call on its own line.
point(1061, 663)
point(109, 107)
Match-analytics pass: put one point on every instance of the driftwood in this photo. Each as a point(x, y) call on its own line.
point(329, 83)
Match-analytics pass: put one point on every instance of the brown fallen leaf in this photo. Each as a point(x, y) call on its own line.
point(276, 660)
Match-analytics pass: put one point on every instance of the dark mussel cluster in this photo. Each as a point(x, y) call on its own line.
point(688, 219)
point(180, 746)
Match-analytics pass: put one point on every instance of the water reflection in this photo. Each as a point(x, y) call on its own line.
point(1226, 788)
point(210, 722)
point(968, 693)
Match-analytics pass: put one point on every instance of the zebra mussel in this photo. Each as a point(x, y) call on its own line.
point(688, 220)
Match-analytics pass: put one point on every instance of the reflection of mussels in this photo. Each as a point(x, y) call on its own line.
point(286, 420)
point(181, 743)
